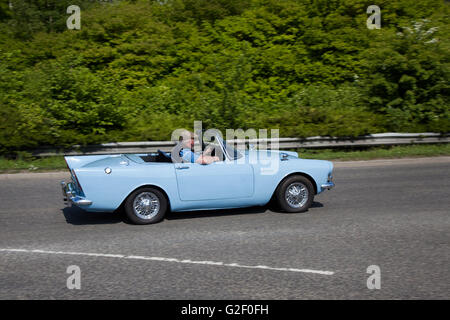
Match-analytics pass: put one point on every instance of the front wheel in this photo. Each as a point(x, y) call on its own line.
point(295, 194)
point(146, 206)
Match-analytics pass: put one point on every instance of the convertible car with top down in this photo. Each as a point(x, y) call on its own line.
point(146, 186)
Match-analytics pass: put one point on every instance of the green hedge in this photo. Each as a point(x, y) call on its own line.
point(139, 69)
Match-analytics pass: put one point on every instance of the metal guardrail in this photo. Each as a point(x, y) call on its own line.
point(378, 139)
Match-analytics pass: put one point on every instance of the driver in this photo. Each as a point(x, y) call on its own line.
point(187, 140)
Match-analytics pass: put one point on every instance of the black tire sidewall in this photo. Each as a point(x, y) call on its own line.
point(281, 190)
point(135, 219)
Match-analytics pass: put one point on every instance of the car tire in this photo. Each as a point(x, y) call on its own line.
point(295, 194)
point(146, 206)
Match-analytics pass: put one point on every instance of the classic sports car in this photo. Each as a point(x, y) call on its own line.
point(146, 186)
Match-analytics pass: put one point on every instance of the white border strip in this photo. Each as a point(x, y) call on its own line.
point(187, 261)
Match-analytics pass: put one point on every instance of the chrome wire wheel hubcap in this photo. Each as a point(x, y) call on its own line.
point(296, 194)
point(146, 205)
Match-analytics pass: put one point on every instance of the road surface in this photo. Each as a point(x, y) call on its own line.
point(391, 214)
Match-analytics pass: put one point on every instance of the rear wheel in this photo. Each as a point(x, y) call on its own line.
point(295, 194)
point(146, 206)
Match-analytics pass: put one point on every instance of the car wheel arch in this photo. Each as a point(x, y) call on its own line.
point(307, 176)
point(148, 186)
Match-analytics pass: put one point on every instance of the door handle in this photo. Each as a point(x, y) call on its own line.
point(182, 168)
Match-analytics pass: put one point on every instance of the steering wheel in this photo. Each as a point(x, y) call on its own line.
point(219, 154)
point(212, 152)
point(163, 157)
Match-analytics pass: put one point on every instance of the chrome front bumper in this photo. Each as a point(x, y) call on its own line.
point(70, 196)
point(327, 185)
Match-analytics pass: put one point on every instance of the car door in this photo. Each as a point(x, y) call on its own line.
point(218, 180)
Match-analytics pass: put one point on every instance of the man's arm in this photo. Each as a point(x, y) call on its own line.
point(189, 156)
point(206, 159)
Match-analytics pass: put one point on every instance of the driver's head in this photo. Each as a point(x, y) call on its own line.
point(187, 139)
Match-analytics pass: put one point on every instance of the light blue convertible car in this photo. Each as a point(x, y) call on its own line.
point(146, 186)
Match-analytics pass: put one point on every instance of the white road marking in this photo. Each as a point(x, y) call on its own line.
point(186, 261)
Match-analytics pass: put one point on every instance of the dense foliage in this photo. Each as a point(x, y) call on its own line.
point(139, 69)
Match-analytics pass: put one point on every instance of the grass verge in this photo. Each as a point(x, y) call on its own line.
point(385, 152)
point(30, 164)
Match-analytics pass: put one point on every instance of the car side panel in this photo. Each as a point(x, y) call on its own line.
point(108, 191)
point(215, 181)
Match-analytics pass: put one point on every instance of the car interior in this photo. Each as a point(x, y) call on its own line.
point(159, 156)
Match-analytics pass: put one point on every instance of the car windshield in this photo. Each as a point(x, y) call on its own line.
point(230, 151)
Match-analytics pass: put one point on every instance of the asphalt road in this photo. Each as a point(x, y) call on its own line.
point(392, 214)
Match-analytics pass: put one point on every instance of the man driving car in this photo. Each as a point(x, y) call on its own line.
point(187, 140)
